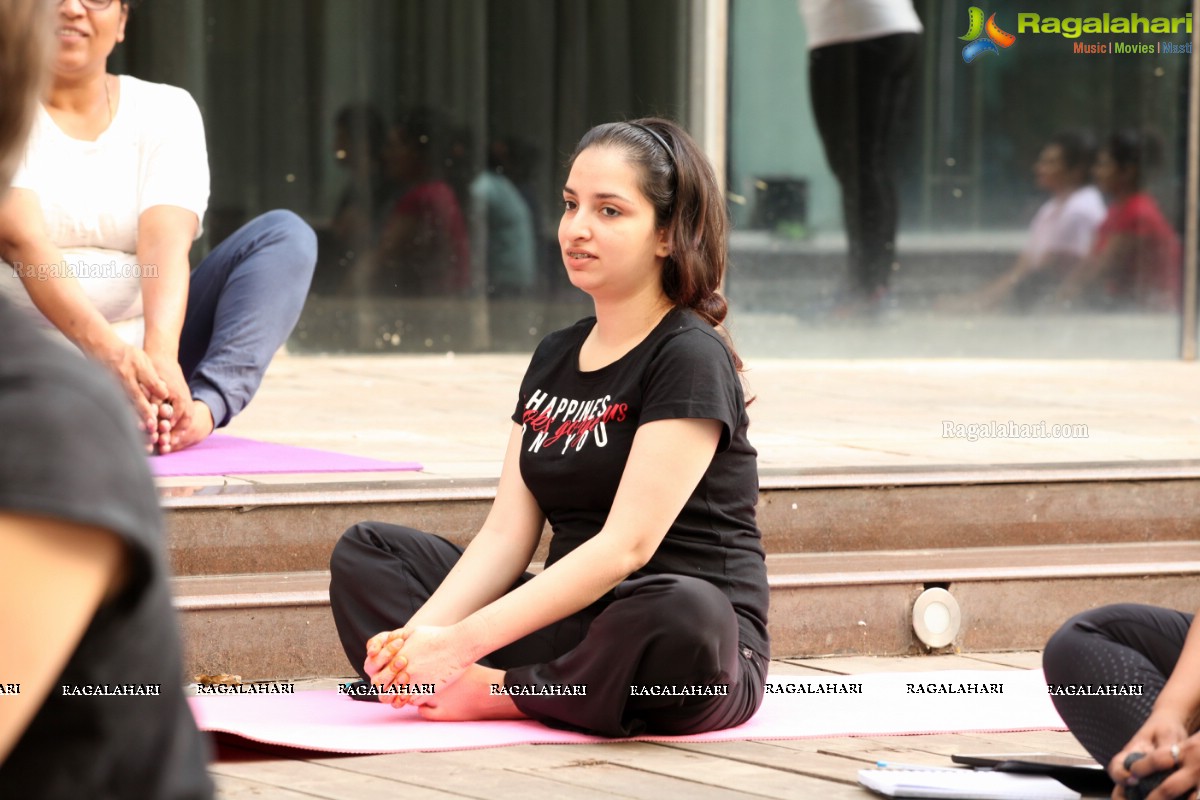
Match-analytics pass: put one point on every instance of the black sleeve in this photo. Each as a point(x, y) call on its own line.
point(692, 376)
point(68, 445)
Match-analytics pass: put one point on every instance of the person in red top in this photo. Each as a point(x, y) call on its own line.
point(424, 243)
point(1136, 260)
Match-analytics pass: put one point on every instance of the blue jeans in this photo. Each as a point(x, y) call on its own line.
point(243, 301)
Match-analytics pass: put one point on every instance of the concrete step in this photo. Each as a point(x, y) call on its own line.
point(1011, 598)
point(292, 528)
point(268, 626)
point(264, 528)
point(279, 626)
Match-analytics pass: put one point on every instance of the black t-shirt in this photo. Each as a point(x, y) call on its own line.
point(578, 428)
point(69, 450)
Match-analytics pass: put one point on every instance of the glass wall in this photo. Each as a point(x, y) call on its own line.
point(423, 139)
point(993, 136)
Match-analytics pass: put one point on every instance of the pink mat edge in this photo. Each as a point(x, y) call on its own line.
point(220, 439)
point(400, 466)
point(535, 734)
point(712, 737)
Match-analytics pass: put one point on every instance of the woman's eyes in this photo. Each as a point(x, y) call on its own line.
point(608, 211)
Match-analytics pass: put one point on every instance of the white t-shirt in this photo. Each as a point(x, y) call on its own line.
point(837, 21)
point(92, 194)
point(1067, 225)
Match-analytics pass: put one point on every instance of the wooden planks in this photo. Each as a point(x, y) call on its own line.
point(803, 768)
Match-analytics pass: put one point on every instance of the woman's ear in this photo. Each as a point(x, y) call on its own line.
point(121, 22)
point(662, 248)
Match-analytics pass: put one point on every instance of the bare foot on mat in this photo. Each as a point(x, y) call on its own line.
point(193, 430)
point(470, 697)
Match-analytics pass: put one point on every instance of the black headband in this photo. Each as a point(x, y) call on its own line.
point(657, 138)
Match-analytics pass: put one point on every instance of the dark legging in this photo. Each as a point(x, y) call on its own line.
point(658, 630)
point(860, 91)
point(1121, 645)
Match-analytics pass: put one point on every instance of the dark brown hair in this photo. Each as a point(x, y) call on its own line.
point(679, 182)
point(1078, 150)
point(1140, 149)
point(26, 48)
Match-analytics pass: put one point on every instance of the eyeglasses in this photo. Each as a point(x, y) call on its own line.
point(92, 5)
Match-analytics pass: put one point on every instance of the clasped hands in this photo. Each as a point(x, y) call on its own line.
point(1166, 746)
point(155, 384)
point(406, 657)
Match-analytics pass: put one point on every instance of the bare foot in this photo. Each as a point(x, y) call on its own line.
point(194, 430)
point(470, 697)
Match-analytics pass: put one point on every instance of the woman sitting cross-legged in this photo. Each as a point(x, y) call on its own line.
point(103, 211)
point(629, 436)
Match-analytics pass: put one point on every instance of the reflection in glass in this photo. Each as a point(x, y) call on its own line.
point(966, 193)
point(423, 246)
point(1061, 235)
point(424, 139)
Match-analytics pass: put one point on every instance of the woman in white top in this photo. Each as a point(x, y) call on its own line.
point(1061, 234)
point(105, 206)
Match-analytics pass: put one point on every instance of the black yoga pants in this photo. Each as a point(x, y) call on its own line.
point(658, 630)
point(1118, 645)
point(860, 95)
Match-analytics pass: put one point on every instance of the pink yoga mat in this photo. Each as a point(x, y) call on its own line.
point(884, 705)
point(230, 455)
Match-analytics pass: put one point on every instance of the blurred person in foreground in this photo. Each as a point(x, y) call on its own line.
point(83, 575)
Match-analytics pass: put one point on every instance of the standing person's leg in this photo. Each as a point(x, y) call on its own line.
point(1117, 645)
point(884, 70)
point(660, 630)
point(243, 301)
point(832, 77)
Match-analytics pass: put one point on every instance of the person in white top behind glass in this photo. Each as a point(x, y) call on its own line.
point(1061, 235)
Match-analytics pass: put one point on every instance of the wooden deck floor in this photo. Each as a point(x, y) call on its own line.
point(808, 768)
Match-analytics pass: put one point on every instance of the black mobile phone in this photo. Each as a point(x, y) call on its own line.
point(1081, 773)
point(1027, 762)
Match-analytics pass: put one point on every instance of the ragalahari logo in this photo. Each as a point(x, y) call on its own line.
point(984, 38)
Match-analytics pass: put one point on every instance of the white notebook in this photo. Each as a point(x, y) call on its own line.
point(965, 784)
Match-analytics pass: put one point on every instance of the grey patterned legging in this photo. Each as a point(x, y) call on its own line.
point(1123, 645)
